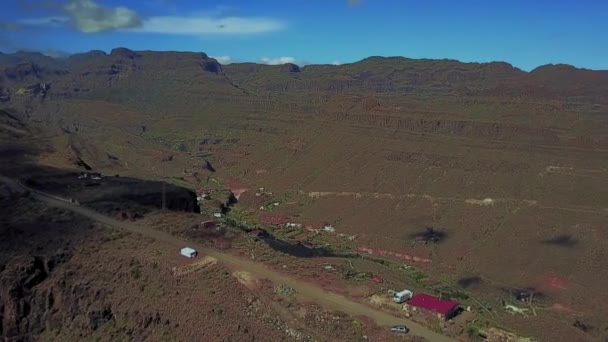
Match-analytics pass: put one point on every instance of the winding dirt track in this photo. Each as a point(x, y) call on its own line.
point(314, 292)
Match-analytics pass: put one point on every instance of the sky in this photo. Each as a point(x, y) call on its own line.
point(525, 33)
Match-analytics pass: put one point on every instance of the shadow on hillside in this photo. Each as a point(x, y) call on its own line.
point(468, 282)
point(430, 235)
point(28, 228)
point(564, 240)
point(112, 195)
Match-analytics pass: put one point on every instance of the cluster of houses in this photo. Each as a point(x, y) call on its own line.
point(443, 309)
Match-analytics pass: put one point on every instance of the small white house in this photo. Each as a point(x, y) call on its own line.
point(329, 228)
point(189, 252)
point(402, 296)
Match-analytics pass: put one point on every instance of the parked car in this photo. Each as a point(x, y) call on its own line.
point(402, 296)
point(401, 329)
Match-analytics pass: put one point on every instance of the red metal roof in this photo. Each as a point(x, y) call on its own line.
point(432, 303)
point(377, 279)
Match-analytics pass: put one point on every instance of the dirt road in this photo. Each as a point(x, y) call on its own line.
point(314, 292)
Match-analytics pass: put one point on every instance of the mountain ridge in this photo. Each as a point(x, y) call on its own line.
point(25, 54)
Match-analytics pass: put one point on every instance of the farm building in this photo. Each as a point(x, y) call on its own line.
point(443, 308)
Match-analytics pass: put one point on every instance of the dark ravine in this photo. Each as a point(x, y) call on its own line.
point(297, 249)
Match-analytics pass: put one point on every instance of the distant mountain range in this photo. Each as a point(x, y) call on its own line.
point(82, 73)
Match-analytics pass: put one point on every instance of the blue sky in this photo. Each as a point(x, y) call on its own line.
point(524, 33)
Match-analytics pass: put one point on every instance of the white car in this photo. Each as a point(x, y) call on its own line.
point(402, 329)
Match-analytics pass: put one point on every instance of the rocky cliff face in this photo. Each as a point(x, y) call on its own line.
point(38, 292)
point(96, 71)
point(25, 308)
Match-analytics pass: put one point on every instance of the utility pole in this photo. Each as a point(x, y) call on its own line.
point(164, 158)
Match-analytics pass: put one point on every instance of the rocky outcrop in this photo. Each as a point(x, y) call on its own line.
point(123, 53)
point(290, 67)
point(22, 307)
point(211, 65)
point(37, 89)
point(22, 72)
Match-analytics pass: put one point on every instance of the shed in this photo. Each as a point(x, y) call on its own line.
point(444, 308)
point(189, 252)
point(377, 279)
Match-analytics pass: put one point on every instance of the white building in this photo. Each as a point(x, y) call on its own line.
point(189, 252)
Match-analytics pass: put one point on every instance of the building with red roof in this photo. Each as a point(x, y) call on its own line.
point(444, 308)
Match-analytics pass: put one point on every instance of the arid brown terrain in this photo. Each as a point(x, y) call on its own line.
point(484, 179)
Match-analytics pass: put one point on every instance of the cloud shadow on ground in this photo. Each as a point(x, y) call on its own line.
point(564, 240)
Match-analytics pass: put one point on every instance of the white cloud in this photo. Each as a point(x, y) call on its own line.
point(89, 17)
point(208, 25)
point(336, 63)
point(277, 61)
point(223, 59)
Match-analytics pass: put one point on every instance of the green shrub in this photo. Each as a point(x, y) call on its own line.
point(136, 272)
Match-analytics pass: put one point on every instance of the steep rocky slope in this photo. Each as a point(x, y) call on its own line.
point(63, 278)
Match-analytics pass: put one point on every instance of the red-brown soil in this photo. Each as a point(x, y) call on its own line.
point(510, 166)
